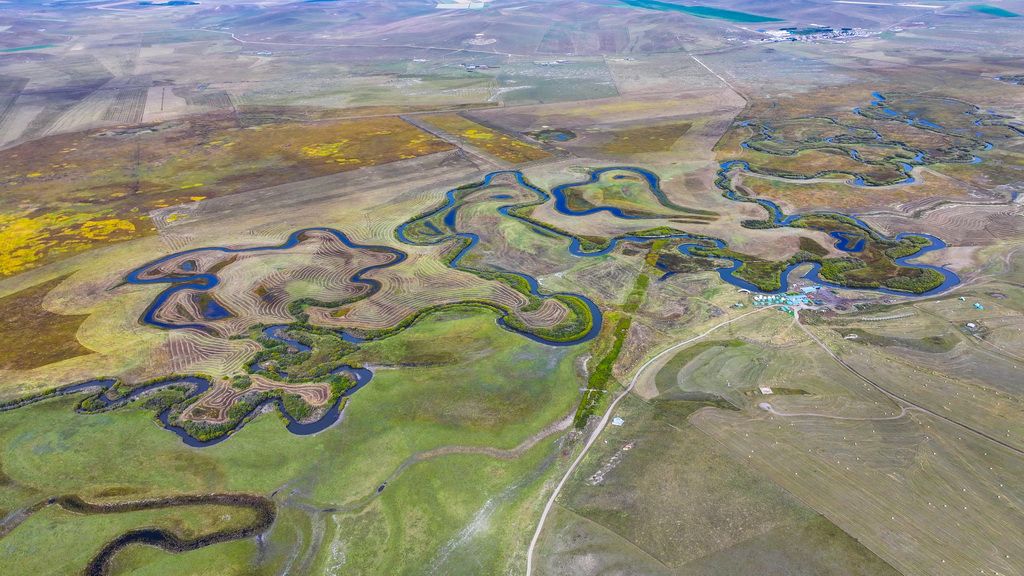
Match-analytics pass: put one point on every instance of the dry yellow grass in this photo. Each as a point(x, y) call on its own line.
point(491, 141)
point(67, 193)
point(646, 139)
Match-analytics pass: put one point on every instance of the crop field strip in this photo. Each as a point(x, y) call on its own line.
point(222, 398)
point(10, 89)
point(488, 140)
point(194, 351)
point(128, 106)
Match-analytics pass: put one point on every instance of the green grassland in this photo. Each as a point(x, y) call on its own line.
point(766, 350)
point(79, 537)
point(674, 502)
point(227, 559)
point(850, 442)
point(515, 389)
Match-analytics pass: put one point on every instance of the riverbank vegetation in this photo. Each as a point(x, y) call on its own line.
point(601, 378)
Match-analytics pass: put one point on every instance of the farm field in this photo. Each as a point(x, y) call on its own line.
point(552, 289)
point(61, 204)
point(493, 142)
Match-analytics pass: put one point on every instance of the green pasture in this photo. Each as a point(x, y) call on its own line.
point(664, 498)
point(79, 537)
point(501, 389)
point(226, 559)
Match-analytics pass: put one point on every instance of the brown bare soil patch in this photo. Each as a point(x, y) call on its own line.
point(31, 336)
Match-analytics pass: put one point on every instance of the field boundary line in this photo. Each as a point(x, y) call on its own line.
point(879, 319)
point(726, 82)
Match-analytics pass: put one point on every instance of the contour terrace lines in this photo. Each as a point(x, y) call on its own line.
point(222, 397)
point(332, 263)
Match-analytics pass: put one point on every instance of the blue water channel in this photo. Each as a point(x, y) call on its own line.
point(847, 242)
point(361, 376)
point(199, 386)
point(562, 203)
point(204, 282)
point(451, 207)
point(844, 242)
